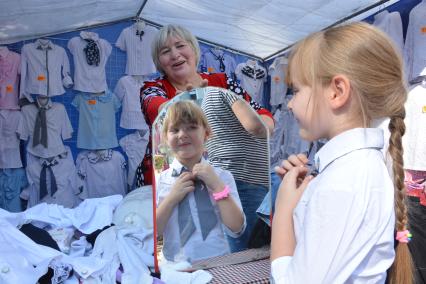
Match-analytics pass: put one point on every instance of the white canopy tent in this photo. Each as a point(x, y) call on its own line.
point(260, 28)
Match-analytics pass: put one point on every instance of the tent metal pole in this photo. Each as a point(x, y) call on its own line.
point(141, 8)
point(279, 52)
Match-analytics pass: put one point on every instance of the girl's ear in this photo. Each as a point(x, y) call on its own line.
point(339, 91)
point(207, 135)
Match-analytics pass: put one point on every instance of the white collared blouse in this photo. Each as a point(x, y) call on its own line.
point(344, 222)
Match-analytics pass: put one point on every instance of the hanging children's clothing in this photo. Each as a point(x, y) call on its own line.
point(285, 139)
point(277, 71)
point(215, 60)
point(12, 182)
point(128, 91)
point(137, 44)
point(12, 175)
point(52, 180)
point(45, 127)
point(45, 69)
point(90, 57)
point(101, 173)
point(415, 135)
point(252, 77)
point(10, 68)
point(96, 123)
point(415, 45)
point(10, 156)
point(134, 145)
point(391, 24)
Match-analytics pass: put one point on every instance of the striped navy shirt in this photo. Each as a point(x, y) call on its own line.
point(231, 147)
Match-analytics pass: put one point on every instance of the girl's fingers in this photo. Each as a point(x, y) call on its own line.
point(303, 159)
point(295, 160)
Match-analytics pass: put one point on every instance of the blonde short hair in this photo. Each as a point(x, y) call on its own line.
point(172, 31)
point(184, 112)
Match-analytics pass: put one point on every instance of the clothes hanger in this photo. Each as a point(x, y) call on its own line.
point(44, 41)
point(139, 24)
point(43, 100)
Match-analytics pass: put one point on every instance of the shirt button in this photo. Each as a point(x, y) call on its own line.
point(5, 269)
point(84, 272)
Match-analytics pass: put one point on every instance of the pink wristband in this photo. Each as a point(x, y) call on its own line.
point(222, 194)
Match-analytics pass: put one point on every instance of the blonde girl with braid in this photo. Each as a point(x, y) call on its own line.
point(340, 226)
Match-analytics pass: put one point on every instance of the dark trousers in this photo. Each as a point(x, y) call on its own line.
point(417, 245)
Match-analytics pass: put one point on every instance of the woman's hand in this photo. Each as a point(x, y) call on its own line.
point(205, 172)
point(189, 87)
point(184, 184)
point(291, 162)
point(291, 189)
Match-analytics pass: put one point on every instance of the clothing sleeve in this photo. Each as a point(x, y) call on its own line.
point(107, 47)
point(229, 180)
point(66, 73)
point(119, 90)
point(409, 48)
point(121, 43)
point(22, 129)
point(265, 78)
point(123, 142)
point(71, 45)
point(19, 63)
point(76, 102)
point(163, 187)
point(116, 102)
point(237, 89)
point(326, 247)
point(398, 31)
point(24, 63)
point(238, 71)
point(67, 130)
point(151, 99)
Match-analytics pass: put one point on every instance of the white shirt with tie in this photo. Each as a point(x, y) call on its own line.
point(195, 248)
point(45, 69)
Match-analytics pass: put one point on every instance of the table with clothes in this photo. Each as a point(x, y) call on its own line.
point(103, 240)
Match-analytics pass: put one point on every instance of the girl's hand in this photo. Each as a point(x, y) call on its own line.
point(205, 172)
point(184, 184)
point(292, 188)
point(291, 162)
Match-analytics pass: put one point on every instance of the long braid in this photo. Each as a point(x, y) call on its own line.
point(402, 268)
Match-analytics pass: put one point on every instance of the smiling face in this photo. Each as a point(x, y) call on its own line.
point(186, 141)
point(178, 59)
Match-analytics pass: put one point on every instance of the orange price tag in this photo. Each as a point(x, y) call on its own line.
point(91, 102)
point(210, 69)
point(9, 89)
point(423, 29)
point(41, 77)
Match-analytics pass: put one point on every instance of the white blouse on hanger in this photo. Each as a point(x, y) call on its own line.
point(89, 78)
point(252, 77)
point(391, 24)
